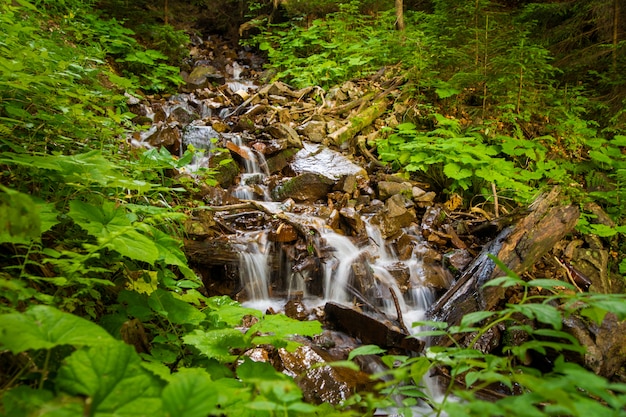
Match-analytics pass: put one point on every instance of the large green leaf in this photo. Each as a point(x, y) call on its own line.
point(112, 378)
point(113, 228)
point(99, 220)
point(217, 344)
point(44, 327)
point(277, 329)
point(176, 311)
point(190, 393)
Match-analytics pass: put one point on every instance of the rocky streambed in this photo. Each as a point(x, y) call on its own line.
point(303, 219)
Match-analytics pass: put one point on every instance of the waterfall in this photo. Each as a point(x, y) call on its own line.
point(251, 179)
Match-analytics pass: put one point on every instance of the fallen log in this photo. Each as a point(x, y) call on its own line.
point(358, 122)
point(519, 247)
point(368, 329)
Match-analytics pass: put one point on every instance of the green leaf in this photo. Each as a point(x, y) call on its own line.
point(24, 401)
point(542, 312)
point(44, 327)
point(365, 350)
point(20, 219)
point(99, 220)
point(175, 310)
point(113, 228)
point(217, 343)
point(456, 171)
point(283, 326)
point(475, 317)
point(112, 377)
point(190, 393)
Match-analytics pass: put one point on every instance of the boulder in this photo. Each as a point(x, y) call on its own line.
point(317, 159)
point(202, 76)
point(321, 383)
point(304, 187)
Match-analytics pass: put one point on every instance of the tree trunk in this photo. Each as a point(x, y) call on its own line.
point(400, 15)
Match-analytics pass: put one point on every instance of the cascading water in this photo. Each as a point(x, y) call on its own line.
point(252, 177)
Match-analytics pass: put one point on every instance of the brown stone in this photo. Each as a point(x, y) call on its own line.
point(304, 187)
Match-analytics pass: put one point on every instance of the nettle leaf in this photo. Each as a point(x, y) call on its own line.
point(190, 393)
point(112, 377)
point(218, 343)
point(365, 350)
point(475, 317)
point(44, 327)
point(176, 311)
point(20, 218)
point(542, 312)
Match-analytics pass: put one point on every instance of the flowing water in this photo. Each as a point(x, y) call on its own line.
point(363, 271)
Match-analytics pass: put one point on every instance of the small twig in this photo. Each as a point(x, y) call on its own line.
point(568, 273)
point(399, 311)
point(496, 207)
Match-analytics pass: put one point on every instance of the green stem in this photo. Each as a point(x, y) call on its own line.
point(44, 371)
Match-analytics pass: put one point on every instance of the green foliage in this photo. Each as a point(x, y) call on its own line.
point(343, 45)
point(104, 376)
point(459, 160)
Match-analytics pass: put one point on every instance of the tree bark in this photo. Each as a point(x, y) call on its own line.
point(400, 15)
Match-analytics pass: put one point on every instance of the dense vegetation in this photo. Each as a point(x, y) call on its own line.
point(511, 96)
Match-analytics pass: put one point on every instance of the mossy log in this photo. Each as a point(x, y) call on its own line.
point(358, 122)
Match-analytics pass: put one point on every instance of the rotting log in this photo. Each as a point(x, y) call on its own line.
point(518, 247)
point(368, 329)
point(358, 122)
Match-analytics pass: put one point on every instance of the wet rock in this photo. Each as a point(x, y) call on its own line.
point(425, 200)
point(225, 168)
point(168, 137)
point(182, 115)
point(321, 384)
point(353, 219)
point(258, 354)
point(436, 276)
point(284, 233)
point(283, 131)
point(202, 76)
point(347, 184)
point(304, 187)
point(387, 188)
point(397, 214)
point(605, 345)
point(201, 224)
point(457, 260)
point(417, 193)
point(200, 137)
point(317, 159)
point(280, 160)
point(314, 130)
point(593, 264)
point(296, 309)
